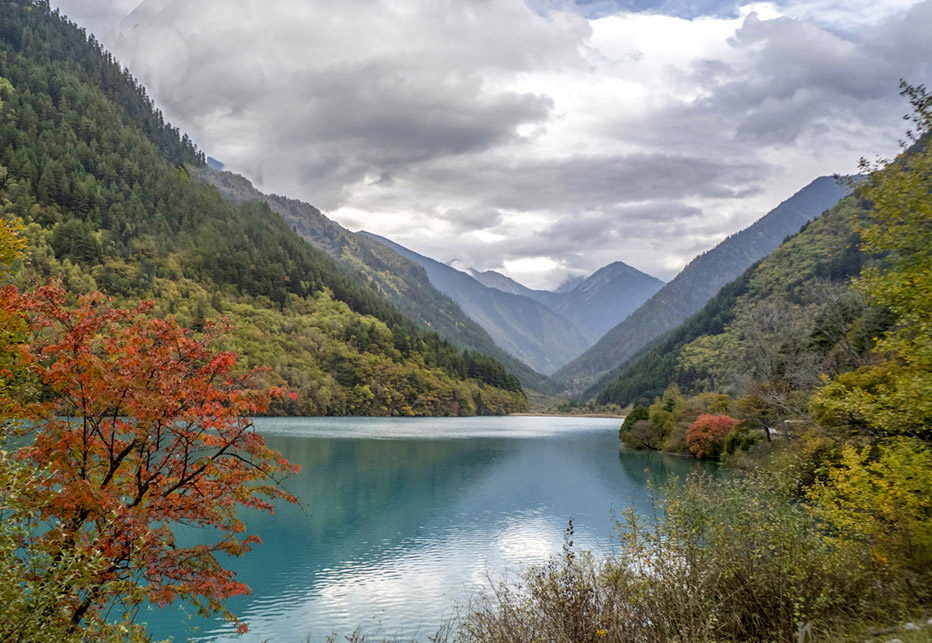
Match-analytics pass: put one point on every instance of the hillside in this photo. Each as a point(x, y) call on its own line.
point(793, 302)
point(104, 186)
point(525, 328)
point(698, 282)
point(401, 281)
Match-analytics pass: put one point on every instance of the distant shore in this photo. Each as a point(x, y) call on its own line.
point(568, 415)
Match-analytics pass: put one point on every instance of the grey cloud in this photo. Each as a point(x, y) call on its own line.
point(464, 220)
point(592, 182)
point(326, 124)
point(421, 109)
point(407, 117)
point(621, 222)
point(795, 81)
point(583, 242)
point(804, 78)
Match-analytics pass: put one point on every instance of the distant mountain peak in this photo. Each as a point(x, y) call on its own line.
point(613, 271)
point(497, 280)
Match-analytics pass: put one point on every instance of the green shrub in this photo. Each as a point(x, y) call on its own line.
point(643, 435)
point(636, 415)
point(726, 560)
point(740, 439)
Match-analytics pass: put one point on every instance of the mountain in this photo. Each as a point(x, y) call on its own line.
point(104, 186)
point(698, 283)
point(569, 283)
point(593, 304)
point(401, 281)
point(606, 298)
point(501, 282)
point(791, 313)
point(522, 326)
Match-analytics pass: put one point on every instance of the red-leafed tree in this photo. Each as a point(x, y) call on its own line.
point(141, 427)
point(706, 435)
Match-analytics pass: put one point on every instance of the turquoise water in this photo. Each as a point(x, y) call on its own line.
point(403, 519)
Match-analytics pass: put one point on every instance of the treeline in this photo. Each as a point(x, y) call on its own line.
point(398, 280)
point(697, 284)
point(103, 185)
point(763, 346)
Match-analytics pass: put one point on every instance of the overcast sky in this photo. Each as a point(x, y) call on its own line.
point(541, 138)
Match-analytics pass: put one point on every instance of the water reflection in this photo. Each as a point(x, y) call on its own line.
point(404, 518)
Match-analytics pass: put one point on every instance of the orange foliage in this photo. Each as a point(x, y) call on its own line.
point(145, 428)
point(707, 434)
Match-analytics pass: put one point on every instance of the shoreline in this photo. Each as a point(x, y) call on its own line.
point(567, 415)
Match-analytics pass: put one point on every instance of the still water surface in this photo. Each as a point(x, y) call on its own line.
point(403, 519)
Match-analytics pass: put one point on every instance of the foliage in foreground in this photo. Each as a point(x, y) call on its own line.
point(732, 560)
point(127, 425)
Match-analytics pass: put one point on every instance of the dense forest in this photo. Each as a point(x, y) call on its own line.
point(105, 188)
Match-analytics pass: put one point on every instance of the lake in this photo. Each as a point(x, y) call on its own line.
point(402, 519)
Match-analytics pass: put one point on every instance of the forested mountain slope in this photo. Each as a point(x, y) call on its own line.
point(525, 328)
point(785, 313)
point(401, 281)
point(699, 282)
point(104, 186)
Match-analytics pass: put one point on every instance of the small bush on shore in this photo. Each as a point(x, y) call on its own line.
point(706, 436)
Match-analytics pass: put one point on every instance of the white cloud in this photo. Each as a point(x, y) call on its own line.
point(507, 137)
point(97, 16)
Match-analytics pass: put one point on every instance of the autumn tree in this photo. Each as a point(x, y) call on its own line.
point(880, 493)
point(31, 581)
point(894, 395)
point(706, 436)
point(881, 498)
point(140, 427)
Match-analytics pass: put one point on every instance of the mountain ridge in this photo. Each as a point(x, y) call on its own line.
point(120, 213)
point(400, 280)
point(795, 296)
point(527, 329)
point(696, 284)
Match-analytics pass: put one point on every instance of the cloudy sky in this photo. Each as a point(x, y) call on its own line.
point(542, 138)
